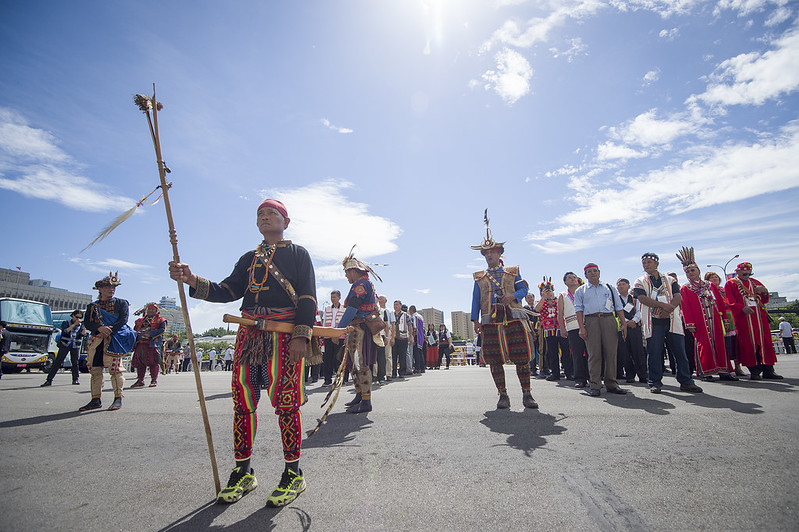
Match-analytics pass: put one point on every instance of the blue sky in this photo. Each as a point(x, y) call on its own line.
point(591, 130)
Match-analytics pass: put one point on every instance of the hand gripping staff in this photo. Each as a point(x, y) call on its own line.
point(147, 104)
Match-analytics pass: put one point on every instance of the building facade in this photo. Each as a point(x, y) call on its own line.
point(432, 315)
point(15, 283)
point(173, 315)
point(462, 324)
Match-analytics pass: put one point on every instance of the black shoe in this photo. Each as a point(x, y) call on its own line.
point(708, 378)
point(693, 388)
point(75, 382)
point(360, 406)
point(755, 376)
point(504, 401)
point(593, 392)
point(553, 378)
point(630, 380)
point(355, 400)
point(528, 401)
point(728, 377)
point(117, 404)
point(618, 391)
point(91, 405)
point(772, 376)
point(46, 383)
point(581, 384)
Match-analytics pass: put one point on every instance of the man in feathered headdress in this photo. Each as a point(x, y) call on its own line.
point(112, 338)
point(498, 316)
point(275, 282)
point(362, 343)
point(149, 339)
point(702, 307)
point(747, 298)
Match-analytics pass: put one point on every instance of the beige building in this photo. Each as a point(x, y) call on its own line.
point(15, 283)
point(432, 315)
point(462, 324)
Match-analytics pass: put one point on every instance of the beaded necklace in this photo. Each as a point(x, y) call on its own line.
point(264, 252)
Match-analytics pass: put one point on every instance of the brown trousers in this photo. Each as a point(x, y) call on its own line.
point(602, 339)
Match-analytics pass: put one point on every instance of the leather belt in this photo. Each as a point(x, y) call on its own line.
point(600, 315)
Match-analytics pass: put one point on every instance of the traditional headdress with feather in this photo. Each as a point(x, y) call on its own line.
point(350, 262)
point(489, 242)
point(686, 257)
point(112, 279)
point(547, 284)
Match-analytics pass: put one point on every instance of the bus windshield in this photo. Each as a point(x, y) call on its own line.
point(28, 343)
point(25, 312)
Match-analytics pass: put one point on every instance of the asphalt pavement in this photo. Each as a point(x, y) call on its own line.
point(434, 454)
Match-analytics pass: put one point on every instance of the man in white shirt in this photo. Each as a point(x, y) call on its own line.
point(631, 355)
point(330, 318)
point(787, 336)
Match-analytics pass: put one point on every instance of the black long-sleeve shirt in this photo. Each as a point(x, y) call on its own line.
point(261, 290)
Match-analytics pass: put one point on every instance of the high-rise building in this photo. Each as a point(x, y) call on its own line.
point(168, 303)
point(432, 315)
point(16, 283)
point(462, 324)
point(173, 315)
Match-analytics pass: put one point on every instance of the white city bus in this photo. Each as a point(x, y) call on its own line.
point(30, 326)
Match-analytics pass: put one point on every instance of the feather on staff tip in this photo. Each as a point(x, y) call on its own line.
point(105, 232)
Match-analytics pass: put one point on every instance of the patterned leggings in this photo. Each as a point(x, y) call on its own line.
point(283, 380)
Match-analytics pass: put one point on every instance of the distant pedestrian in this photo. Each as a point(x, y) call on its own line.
point(786, 332)
point(445, 347)
point(149, 339)
point(72, 334)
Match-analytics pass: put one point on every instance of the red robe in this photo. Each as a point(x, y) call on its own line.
point(702, 306)
point(753, 329)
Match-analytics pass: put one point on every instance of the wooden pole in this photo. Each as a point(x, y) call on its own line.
point(181, 291)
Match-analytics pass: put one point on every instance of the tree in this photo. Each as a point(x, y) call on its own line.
point(216, 331)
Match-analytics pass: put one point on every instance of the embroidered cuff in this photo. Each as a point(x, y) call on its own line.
point(302, 331)
point(203, 287)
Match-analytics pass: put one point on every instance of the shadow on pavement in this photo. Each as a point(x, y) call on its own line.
point(710, 401)
point(203, 518)
point(634, 402)
point(339, 429)
point(784, 385)
point(225, 395)
point(44, 419)
point(526, 430)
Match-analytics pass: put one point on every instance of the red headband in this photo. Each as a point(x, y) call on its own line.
point(590, 265)
point(275, 204)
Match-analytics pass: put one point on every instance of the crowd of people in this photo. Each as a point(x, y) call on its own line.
point(593, 333)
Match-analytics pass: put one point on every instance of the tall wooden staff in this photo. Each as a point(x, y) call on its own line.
point(146, 105)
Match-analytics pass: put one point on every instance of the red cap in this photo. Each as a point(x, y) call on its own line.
point(275, 204)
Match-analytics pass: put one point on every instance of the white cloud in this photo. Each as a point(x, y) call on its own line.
point(778, 16)
point(462, 275)
point(33, 165)
point(716, 175)
point(609, 151)
point(511, 79)
point(337, 129)
point(669, 35)
point(422, 290)
point(576, 48)
point(755, 77)
point(205, 315)
point(327, 223)
point(647, 129)
point(538, 29)
point(651, 77)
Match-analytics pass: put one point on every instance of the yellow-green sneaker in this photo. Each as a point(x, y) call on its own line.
point(291, 485)
point(240, 483)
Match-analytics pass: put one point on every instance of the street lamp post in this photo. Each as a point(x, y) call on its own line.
point(723, 268)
